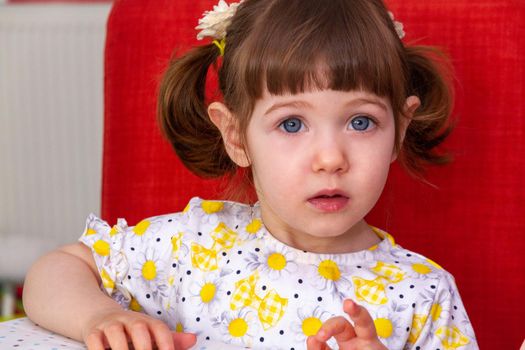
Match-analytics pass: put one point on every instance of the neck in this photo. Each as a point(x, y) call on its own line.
point(357, 238)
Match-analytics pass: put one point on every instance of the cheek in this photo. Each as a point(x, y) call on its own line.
point(276, 174)
point(274, 156)
point(379, 178)
point(275, 171)
point(374, 164)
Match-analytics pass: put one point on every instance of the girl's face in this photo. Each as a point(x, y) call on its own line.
point(320, 160)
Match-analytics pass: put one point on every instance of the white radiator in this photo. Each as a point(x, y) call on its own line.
point(51, 121)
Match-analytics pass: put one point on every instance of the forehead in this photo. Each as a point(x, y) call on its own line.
point(324, 100)
point(310, 96)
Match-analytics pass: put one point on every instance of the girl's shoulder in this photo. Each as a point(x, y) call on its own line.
point(202, 228)
point(198, 216)
point(396, 260)
point(221, 209)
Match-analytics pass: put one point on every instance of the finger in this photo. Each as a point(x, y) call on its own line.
point(183, 340)
point(162, 335)
point(116, 336)
point(139, 333)
point(95, 340)
point(363, 323)
point(312, 343)
point(337, 327)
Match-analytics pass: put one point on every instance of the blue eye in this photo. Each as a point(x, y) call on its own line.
point(292, 125)
point(361, 123)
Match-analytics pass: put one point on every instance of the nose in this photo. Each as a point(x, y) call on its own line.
point(330, 156)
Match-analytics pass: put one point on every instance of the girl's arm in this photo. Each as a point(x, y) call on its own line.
point(62, 293)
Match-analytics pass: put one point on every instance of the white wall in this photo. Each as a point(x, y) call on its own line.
point(51, 122)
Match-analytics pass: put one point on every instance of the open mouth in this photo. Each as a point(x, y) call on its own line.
point(329, 202)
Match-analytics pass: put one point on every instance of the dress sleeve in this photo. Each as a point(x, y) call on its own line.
point(446, 324)
point(135, 261)
point(107, 246)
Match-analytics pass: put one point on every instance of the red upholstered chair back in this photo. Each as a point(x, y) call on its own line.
point(472, 221)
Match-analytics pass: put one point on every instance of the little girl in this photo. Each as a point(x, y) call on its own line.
point(318, 99)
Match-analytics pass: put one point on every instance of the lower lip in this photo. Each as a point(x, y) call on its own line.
point(329, 205)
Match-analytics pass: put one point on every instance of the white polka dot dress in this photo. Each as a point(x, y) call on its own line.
point(214, 270)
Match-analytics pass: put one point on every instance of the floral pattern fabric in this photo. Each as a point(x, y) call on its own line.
point(214, 270)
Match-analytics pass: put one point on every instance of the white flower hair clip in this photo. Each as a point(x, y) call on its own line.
point(213, 23)
point(398, 26)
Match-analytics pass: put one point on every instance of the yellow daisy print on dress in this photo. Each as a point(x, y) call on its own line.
point(149, 269)
point(252, 230)
point(141, 227)
point(330, 277)
point(145, 228)
point(237, 327)
point(211, 207)
point(90, 232)
point(114, 230)
point(107, 281)
point(254, 226)
point(329, 270)
point(101, 247)
point(422, 270)
point(309, 321)
point(440, 309)
point(389, 327)
point(205, 291)
point(273, 262)
point(134, 305)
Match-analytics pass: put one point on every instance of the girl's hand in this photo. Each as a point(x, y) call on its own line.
point(120, 329)
point(361, 336)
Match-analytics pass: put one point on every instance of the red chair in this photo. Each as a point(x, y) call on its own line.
point(471, 221)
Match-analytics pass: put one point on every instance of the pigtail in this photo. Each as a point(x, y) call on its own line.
point(183, 117)
point(430, 126)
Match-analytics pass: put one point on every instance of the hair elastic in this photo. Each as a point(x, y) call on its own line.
point(221, 45)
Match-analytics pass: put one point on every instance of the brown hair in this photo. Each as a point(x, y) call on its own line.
point(290, 46)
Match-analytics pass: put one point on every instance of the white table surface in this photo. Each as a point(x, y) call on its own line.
point(22, 333)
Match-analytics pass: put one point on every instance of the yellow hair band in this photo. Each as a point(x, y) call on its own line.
point(221, 45)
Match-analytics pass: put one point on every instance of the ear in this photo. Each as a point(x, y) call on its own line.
point(226, 122)
point(411, 105)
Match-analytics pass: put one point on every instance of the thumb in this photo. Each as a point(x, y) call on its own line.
point(183, 341)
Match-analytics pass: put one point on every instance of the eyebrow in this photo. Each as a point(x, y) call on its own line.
point(371, 100)
point(296, 104)
point(300, 103)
